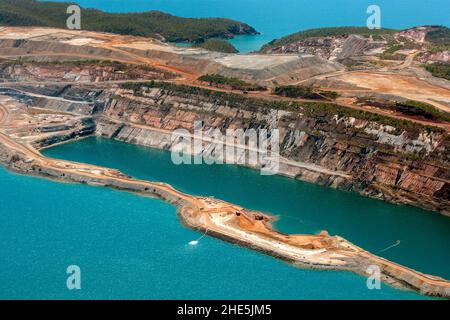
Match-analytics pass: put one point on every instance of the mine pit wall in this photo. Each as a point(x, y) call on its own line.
point(11, 47)
point(163, 141)
point(17, 72)
point(398, 167)
point(63, 68)
point(383, 163)
point(199, 62)
point(64, 106)
point(160, 140)
point(83, 128)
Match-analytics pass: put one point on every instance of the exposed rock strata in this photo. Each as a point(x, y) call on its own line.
point(407, 166)
point(59, 44)
point(331, 48)
point(382, 161)
point(70, 71)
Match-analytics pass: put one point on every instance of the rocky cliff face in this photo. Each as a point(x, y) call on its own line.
point(417, 34)
point(94, 71)
point(385, 161)
point(383, 158)
point(44, 44)
point(430, 41)
point(331, 48)
point(441, 56)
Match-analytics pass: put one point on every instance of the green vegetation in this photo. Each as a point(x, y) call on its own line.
point(439, 69)
point(233, 83)
point(316, 109)
point(438, 48)
point(153, 23)
point(438, 39)
point(332, 95)
point(217, 45)
point(329, 32)
point(296, 92)
point(390, 53)
point(425, 110)
point(439, 36)
point(392, 49)
point(304, 92)
point(409, 107)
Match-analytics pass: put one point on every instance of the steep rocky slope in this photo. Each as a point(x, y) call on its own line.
point(376, 156)
point(44, 44)
point(83, 71)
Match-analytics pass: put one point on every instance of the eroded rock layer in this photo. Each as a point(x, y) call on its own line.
point(385, 159)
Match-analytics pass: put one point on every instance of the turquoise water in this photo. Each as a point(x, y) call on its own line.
point(131, 247)
point(303, 207)
point(277, 18)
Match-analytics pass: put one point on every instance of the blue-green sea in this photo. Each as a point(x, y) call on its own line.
point(277, 18)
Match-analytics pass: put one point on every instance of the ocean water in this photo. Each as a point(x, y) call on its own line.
point(131, 247)
point(277, 18)
point(301, 207)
